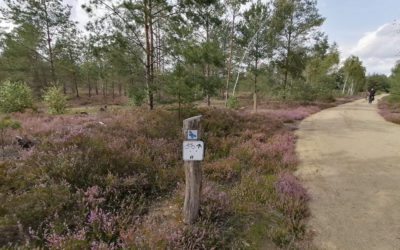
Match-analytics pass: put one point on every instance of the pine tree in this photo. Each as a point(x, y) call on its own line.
point(293, 22)
point(47, 16)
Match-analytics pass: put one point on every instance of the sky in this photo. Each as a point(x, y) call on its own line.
point(364, 28)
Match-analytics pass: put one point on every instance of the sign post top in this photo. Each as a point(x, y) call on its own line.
point(192, 118)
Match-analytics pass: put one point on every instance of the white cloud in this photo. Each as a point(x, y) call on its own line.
point(380, 49)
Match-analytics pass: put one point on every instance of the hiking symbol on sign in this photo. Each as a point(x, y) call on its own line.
point(192, 134)
point(193, 150)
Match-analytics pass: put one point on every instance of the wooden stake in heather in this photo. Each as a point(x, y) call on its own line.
point(193, 153)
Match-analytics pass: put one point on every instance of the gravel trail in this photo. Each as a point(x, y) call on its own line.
point(350, 163)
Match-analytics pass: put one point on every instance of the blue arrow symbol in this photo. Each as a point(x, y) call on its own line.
point(192, 135)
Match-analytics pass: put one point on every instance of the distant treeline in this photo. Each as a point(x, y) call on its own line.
point(177, 51)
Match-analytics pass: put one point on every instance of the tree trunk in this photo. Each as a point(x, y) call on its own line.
point(147, 30)
point(89, 84)
point(255, 85)
point(179, 105)
point(228, 76)
point(113, 92)
point(96, 87)
point(104, 87)
point(285, 79)
point(345, 83)
point(288, 51)
point(51, 56)
point(75, 84)
point(207, 70)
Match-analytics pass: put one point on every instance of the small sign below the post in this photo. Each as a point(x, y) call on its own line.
point(192, 134)
point(193, 150)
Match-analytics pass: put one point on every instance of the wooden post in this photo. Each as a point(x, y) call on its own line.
point(192, 176)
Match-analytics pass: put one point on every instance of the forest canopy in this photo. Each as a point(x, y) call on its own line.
point(176, 51)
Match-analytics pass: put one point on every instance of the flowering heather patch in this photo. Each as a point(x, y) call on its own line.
point(280, 148)
point(292, 201)
point(294, 114)
point(288, 185)
point(389, 111)
point(96, 181)
point(163, 227)
point(117, 158)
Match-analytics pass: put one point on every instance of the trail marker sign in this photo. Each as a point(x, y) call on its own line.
point(192, 134)
point(193, 154)
point(193, 150)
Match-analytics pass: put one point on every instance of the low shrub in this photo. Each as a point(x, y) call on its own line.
point(100, 181)
point(54, 99)
point(233, 102)
point(136, 96)
point(6, 124)
point(15, 96)
point(292, 201)
point(389, 108)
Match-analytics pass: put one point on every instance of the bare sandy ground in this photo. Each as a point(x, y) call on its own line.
point(350, 163)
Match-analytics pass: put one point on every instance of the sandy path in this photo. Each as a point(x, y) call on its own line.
point(350, 162)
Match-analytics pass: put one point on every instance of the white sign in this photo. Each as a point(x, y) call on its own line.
point(193, 150)
point(192, 134)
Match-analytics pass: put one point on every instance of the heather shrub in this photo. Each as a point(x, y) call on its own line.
point(292, 200)
point(253, 187)
point(223, 170)
point(244, 152)
point(214, 203)
point(54, 99)
point(294, 114)
point(28, 210)
point(127, 162)
point(389, 108)
point(218, 147)
point(163, 228)
point(105, 181)
point(212, 228)
point(15, 96)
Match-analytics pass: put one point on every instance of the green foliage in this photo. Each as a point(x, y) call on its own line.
point(354, 75)
point(379, 82)
point(292, 22)
point(392, 98)
point(206, 55)
point(54, 99)
point(233, 102)
point(17, 60)
point(7, 123)
point(15, 96)
point(322, 64)
point(307, 92)
point(181, 85)
point(136, 96)
point(395, 81)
